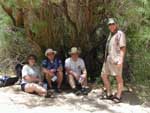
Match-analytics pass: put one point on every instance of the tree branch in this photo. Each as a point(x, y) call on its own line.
point(9, 12)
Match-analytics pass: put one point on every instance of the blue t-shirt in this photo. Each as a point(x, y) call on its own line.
point(55, 64)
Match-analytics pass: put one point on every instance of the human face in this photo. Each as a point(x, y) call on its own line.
point(75, 56)
point(51, 56)
point(113, 27)
point(31, 61)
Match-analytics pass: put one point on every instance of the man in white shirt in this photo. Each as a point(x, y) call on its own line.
point(76, 71)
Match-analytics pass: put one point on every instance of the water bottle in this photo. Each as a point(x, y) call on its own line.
point(80, 80)
point(45, 86)
point(54, 78)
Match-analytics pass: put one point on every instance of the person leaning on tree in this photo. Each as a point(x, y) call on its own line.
point(114, 59)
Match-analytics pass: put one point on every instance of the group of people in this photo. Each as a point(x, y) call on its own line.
point(39, 79)
point(52, 69)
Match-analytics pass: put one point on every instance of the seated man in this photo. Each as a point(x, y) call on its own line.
point(31, 78)
point(76, 71)
point(53, 70)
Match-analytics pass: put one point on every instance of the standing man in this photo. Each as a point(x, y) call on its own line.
point(76, 71)
point(114, 59)
point(53, 69)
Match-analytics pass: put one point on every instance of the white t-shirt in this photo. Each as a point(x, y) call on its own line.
point(76, 66)
point(33, 71)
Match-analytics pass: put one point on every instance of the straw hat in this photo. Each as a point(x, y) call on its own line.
point(50, 51)
point(74, 50)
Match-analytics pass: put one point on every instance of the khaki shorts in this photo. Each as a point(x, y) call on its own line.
point(111, 69)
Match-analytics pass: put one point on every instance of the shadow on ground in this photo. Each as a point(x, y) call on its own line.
point(131, 98)
point(89, 103)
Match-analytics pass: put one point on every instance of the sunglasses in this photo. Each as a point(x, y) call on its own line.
point(112, 24)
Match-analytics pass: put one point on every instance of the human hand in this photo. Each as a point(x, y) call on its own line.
point(119, 65)
point(51, 73)
point(35, 79)
point(59, 69)
point(40, 83)
point(53, 70)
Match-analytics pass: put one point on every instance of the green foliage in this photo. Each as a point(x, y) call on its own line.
point(84, 24)
point(28, 3)
point(38, 26)
point(10, 3)
point(13, 46)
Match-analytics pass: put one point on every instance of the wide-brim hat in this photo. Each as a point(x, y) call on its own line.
point(74, 50)
point(111, 21)
point(50, 51)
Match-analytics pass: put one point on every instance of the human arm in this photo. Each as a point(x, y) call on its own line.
point(30, 79)
point(84, 71)
point(26, 75)
point(45, 69)
point(122, 45)
point(68, 69)
point(122, 55)
point(60, 65)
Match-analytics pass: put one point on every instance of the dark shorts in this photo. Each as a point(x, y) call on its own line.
point(23, 86)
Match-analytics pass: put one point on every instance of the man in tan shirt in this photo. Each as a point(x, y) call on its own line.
point(114, 58)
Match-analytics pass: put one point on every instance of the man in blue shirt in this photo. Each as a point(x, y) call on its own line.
point(53, 69)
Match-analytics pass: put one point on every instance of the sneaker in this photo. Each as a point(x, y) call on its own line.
point(76, 91)
point(48, 95)
point(88, 89)
point(84, 91)
point(58, 90)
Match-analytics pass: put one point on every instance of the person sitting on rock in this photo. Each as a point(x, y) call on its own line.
point(32, 78)
point(76, 71)
point(53, 69)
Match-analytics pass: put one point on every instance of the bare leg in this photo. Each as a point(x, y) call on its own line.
point(72, 81)
point(48, 78)
point(84, 82)
point(106, 81)
point(60, 79)
point(32, 87)
point(119, 85)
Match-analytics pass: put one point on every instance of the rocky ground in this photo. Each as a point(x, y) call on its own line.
point(13, 100)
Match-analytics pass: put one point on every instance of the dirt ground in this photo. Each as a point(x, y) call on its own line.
point(13, 100)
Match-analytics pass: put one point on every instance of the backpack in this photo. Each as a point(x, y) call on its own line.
point(8, 81)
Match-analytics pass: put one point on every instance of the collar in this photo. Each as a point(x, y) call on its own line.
point(113, 33)
point(51, 61)
point(73, 60)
